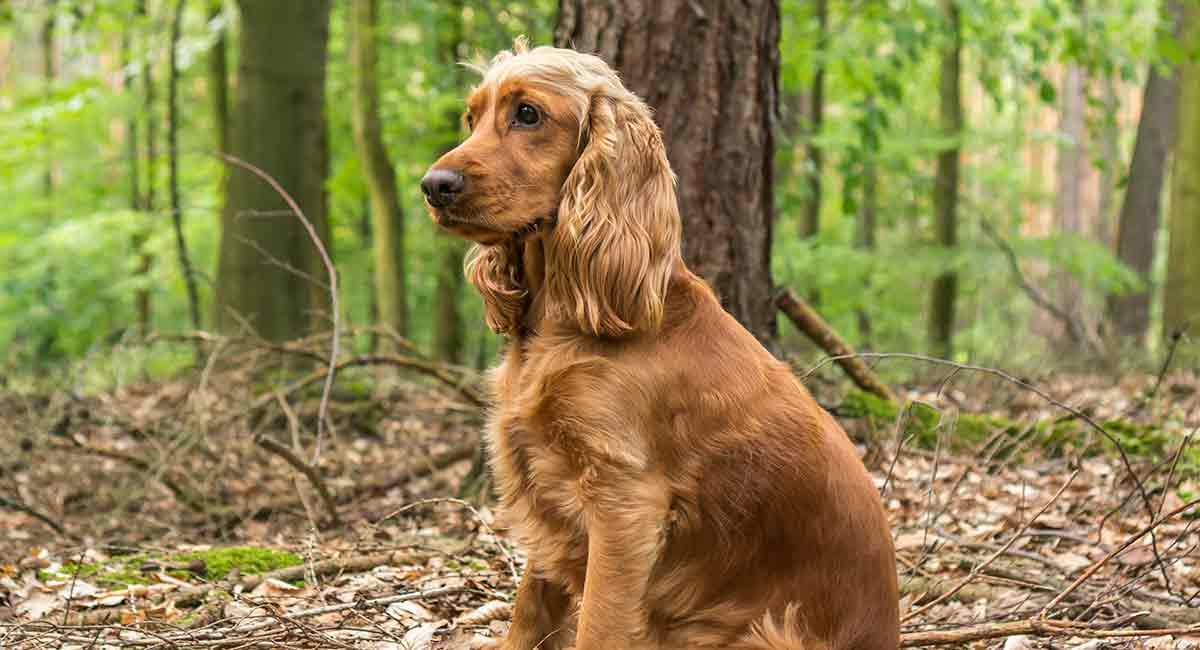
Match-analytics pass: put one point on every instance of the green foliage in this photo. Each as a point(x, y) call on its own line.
point(68, 275)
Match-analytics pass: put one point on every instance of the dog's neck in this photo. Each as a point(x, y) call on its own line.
point(533, 272)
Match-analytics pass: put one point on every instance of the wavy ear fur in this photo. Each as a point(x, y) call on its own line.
point(495, 272)
point(610, 256)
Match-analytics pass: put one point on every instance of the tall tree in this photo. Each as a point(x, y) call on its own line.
point(1070, 169)
point(133, 153)
point(710, 69)
point(945, 197)
point(49, 73)
point(449, 330)
point(386, 213)
point(149, 100)
point(1181, 299)
point(269, 275)
point(185, 264)
point(1138, 224)
point(218, 75)
point(811, 224)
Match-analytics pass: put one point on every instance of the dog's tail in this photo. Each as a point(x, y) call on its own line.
point(785, 634)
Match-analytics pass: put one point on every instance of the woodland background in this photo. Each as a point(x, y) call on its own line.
point(208, 436)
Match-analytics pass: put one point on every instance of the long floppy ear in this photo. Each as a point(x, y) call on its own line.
point(496, 273)
point(609, 258)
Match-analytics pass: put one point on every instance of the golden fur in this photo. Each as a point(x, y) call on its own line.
point(673, 484)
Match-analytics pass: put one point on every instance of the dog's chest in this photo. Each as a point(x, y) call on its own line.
point(538, 477)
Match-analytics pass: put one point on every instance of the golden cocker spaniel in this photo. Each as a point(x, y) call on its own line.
point(673, 484)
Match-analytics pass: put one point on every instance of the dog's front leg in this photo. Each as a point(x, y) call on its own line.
point(540, 615)
point(624, 538)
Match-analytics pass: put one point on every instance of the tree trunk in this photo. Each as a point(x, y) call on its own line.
point(386, 212)
point(149, 99)
point(49, 73)
point(218, 78)
point(1181, 300)
point(1070, 171)
point(1138, 224)
point(185, 264)
point(945, 198)
point(449, 328)
point(1111, 141)
point(811, 224)
point(270, 276)
point(865, 232)
point(141, 297)
point(710, 69)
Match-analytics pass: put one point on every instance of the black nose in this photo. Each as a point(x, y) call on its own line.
point(442, 186)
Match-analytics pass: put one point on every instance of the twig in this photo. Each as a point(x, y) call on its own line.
point(1175, 338)
point(341, 607)
point(991, 558)
point(512, 565)
point(310, 472)
point(21, 507)
point(1041, 627)
point(1075, 330)
point(1115, 552)
point(1083, 417)
point(186, 497)
point(335, 341)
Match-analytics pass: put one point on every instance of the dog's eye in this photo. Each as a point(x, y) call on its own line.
point(527, 115)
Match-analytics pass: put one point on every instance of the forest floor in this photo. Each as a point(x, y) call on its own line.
point(182, 514)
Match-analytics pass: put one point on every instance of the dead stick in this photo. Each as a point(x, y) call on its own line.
point(304, 468)
point(814, 327)
point(1035, 626)
point(333, 286)
point(1115, 552)
point(21, 507)
point(991, 558)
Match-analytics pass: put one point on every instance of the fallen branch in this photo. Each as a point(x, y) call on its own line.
point(21, 507)
point(1031, 627)
point(309, 472)
point(808, 321)
point(182, 495)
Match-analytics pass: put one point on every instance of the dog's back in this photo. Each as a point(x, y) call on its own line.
point(776, 527)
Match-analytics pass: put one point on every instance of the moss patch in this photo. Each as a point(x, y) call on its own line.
point(117, 572)
point(248, 560)
point(921, 421)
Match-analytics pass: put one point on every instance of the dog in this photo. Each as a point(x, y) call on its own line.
point(673, 484)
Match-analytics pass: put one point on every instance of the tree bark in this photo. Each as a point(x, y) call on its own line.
point(945, 198)
point(710, 69)
point(1139, 220)
point(49, 73)
point(269, 274)
point(386, 212)
point(811, 224)
point(1181, 299)
point(865, 231)
point(149, 100)
point(141, 298)
point(449, 329)
point(185, 264)
point(218, 78)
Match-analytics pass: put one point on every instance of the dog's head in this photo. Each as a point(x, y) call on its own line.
point(560, 150)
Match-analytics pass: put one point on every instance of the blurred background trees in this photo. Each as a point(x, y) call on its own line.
point(887, 159)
